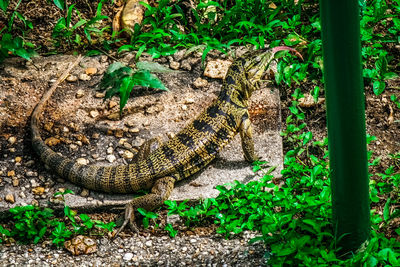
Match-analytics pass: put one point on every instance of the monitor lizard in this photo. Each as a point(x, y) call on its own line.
point(193, 148)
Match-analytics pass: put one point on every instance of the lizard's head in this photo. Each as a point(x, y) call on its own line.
point(252, 66)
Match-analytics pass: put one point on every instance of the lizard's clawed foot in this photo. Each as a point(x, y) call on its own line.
point(128, 218)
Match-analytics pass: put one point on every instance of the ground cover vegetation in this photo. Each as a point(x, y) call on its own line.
point(291, 214)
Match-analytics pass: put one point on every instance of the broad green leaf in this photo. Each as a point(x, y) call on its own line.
point(59, 3)
point(23, 53)
point(378, 87)
point(386, 210)
point(153, 67)
point(145, 78)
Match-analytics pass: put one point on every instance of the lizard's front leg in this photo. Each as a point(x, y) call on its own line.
point(246, 134)
point(160, 192)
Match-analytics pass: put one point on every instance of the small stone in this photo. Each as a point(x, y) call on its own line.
point(186, 65)
point(71, 78)
point(29, 163)
point(34, 183)
point(199, 83)
point(112, 104)
point(73, 147)
point(217, 68)
point(82, 161)
point(10, 198)
point(148, 243)
point(128, 256)
point(100, 95)
point(184, 107)
point(170, 135)
point(133, 130)
point(174, 65)
point(11, 173)
point(80, 93)
point(31, 174)
point(18, 159)
point(52, 141)
point(110, 150)
point(84, 193)
point(12, 149)
point(48, 126)
point(189, 101)
point(111, 158)
point(12, 140)
point(91, 71)
point(103, 58)
point(22, 195)
point(94, 113)
point(128, 154)
point(81, 245)
point(119, 133)
point(38, 190)
point(127, 145)
point(15, 182)
point(84, 77)
point(193, 241)
point(95, 135)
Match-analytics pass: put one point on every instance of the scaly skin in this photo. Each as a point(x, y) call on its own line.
point(193, 148)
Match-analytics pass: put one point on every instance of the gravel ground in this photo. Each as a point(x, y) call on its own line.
point(144, 251)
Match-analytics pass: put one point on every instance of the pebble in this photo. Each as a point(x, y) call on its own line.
point(10, 198)
point(71, 78)
point(100, 95)
point(133, 130)
point(73, 147)
point(199, 83)
point(82, 161)
point(34, 183)
point(11, 173)
point(84, 77)
point(15, 182)
point(111, 158)
point(184, 107)
point(128, 154)
point(29, 163)
point(12, 140)
point(84, 193)
point(217, 68)
point(112, 104)
point(148, 243)
point(189, 101)
point(38, 190)
point(80, 93)
point(31, 174)
point(174, 65)
point(94, 113)
point(52, 141)
point(186, 65)
point(18, 159)
point(110, 150)
point(128, 256)
point(91, 71)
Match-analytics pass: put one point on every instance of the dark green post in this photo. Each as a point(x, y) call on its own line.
point(346, 122)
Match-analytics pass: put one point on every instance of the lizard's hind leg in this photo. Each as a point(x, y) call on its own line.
point(160, 192)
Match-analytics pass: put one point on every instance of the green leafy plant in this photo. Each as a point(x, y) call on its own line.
point(121, 79)
point(147, 216)
point(10, 45)
point(293, 214)
point(32, 224)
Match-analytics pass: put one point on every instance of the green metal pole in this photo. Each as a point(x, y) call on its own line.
point(346, 123)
